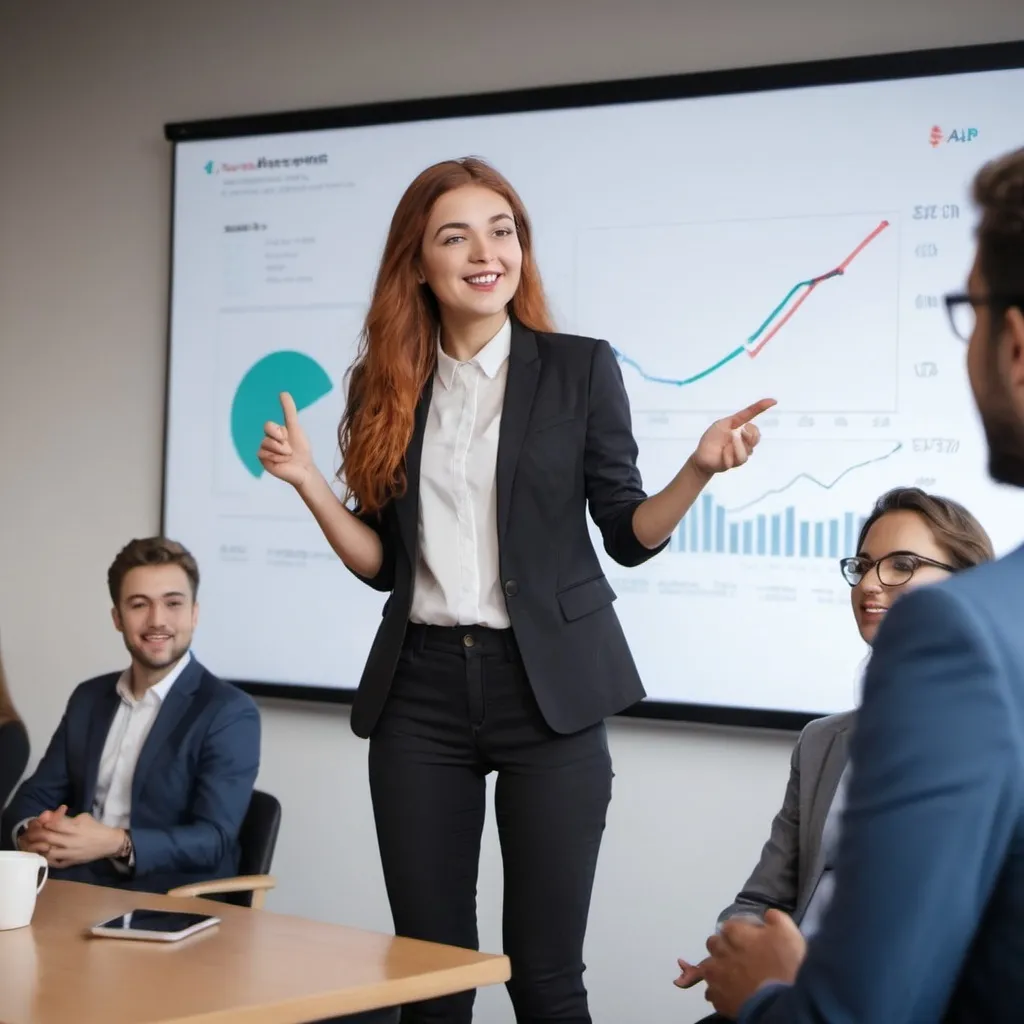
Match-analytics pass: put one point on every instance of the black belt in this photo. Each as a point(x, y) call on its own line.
point(478, 639)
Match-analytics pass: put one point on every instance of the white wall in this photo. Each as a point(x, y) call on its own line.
point(84, 181)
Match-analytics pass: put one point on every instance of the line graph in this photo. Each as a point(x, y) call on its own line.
point(823, 484)
point(666, 295)
point(798, 497)
point(769, 327)
point(654, 379)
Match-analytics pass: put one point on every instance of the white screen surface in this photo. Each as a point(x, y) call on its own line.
point(685, 232)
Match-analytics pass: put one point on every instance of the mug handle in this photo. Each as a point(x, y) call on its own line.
point(45, 874)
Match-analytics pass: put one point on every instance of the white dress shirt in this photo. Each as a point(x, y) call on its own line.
point(457, 574)
point(112, 804)
point(830, 834)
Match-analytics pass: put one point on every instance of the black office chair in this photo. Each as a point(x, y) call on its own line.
point(257, 838)
point(14, 755)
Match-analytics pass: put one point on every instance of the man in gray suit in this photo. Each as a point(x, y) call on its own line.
point(927, 919)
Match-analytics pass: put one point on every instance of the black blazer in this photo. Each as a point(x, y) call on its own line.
point(565, 441)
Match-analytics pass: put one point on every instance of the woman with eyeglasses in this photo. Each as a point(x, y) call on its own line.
point(910, 539)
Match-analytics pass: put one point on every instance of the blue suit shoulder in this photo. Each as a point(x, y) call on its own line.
point(991, 583)
point(209, 688)
point(219, 692)
point(984, 602)
point(90, 689)
point(979, 591)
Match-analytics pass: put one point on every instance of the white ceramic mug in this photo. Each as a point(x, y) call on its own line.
point(22, 876)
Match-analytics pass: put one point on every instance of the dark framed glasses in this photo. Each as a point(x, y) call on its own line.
point(962, 310)
point(893, 569)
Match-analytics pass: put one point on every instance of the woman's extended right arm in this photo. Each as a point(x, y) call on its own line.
point(356, 544)
point(286, 454)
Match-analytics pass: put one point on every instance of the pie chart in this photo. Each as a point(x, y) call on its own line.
point(257, 399)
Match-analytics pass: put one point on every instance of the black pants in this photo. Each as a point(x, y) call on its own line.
point(460, 707)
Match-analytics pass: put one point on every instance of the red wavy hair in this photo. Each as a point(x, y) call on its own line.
point(398, 346)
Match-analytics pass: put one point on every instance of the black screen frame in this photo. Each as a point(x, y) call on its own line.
point(895, 66)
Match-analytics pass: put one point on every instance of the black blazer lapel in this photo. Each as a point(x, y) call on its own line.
point(520, 387)
point(100, 721)
point(407, 507)
point(175, 704)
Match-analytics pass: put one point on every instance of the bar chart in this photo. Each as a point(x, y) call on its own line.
point(709, 528)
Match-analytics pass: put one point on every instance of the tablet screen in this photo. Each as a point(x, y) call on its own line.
point(166, 921)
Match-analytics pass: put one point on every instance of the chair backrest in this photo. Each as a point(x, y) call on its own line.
point(14, 755)
point(258, 835)
point(257, 839)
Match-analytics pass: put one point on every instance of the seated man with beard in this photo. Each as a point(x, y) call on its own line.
point(148, 777)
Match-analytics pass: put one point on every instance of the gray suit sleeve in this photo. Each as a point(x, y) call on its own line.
point(773, 883)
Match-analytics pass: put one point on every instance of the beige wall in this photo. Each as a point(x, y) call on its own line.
point(84, 178)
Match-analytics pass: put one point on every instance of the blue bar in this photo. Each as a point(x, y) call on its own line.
point(720, 529)
point(734, 538)
point(805, 538)
point(707, 522)
point(848, 539)
point(694, 530)
point(833, 538)
point(748, 537)
point(762, 535)
point(776, 529)
point(681, 536)
point(819, 540)
point(790, 521)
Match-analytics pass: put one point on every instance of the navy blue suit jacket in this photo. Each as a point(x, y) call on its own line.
point(191, 787)
point(927, 922)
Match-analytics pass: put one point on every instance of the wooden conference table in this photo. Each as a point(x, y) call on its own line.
point(256, 967)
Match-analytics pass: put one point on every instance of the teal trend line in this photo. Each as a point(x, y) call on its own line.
point(622, 357)
point(768, 321)
point(258, 399)
point(770, 318)
point(769, 324)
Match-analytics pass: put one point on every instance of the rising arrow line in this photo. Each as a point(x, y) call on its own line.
point(772, 321)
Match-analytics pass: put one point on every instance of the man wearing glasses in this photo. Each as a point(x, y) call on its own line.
point(926, 921)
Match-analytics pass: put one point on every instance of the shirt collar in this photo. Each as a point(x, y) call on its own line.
point(159, 690)
point(489, 359)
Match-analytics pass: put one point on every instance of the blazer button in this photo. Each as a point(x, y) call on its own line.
point(511, 588)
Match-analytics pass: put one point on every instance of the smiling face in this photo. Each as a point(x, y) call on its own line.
point(901, 530)
point(470, 257)
point(156, 615)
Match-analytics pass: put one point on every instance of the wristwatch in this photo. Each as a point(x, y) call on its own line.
point(127, 852)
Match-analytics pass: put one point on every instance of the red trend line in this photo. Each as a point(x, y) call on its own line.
point(813, 283)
